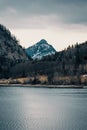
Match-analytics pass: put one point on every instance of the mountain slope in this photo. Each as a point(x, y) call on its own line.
point(9, 46)
point(65, 67)
point(40, 49)
point(11, 52)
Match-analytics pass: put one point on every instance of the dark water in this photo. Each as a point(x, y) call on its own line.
point(43, 109)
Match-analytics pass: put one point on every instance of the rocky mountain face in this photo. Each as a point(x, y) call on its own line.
point(11, 52)
point(40, 49)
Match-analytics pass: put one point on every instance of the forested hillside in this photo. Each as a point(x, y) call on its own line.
point(11, 52)
point(64, 67)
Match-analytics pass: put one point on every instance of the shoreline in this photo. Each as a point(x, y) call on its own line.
point(42, 86)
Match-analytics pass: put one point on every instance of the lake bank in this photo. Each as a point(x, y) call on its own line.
point(42, 86)
point(26, 82)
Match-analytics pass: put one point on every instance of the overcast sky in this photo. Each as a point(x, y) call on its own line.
point(60, 22)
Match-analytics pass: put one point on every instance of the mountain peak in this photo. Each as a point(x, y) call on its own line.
point(42, 41)
point(40, 49)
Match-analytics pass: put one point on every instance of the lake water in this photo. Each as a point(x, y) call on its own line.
point(23, 108)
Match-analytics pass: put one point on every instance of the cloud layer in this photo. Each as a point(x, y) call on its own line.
point(60, 22)
point(41, 13)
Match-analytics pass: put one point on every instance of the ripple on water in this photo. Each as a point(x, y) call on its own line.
point(43, 109)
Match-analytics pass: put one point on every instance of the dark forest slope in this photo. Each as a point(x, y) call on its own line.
point(71, 62)
point(11, 52)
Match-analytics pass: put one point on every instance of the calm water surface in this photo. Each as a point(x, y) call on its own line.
point(43, 109)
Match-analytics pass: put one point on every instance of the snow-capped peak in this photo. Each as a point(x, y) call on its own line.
point(40, 49)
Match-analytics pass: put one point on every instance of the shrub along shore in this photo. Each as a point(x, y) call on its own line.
point(42, 81)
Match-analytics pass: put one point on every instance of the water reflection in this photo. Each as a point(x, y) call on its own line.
point(43, 109)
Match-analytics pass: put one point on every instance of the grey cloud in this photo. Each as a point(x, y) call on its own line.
point(65, 11)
